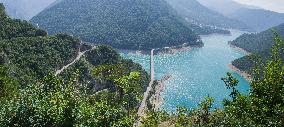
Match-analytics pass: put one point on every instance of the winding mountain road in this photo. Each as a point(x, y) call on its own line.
point(80, 54)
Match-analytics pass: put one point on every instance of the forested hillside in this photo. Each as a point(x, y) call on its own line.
point(199, 14)
point(123, 24)
point(101, 89)
point(259, 44)
point(29, 52)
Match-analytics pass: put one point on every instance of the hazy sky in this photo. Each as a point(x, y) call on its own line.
point(274, 5)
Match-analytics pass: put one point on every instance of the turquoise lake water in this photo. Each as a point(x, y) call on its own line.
point(196, 73)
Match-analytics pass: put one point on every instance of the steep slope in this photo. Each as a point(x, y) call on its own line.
point(258, 44)
point(124, 24)
point(29, 52)
point(25, 9)
point(256, 18)
point(199, 14)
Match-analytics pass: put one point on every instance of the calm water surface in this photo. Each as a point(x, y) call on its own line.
point(196, 73)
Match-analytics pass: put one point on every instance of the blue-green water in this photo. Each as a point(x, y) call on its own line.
point(196, 73)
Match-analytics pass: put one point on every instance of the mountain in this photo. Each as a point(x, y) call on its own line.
point(225, 7)
point(25, 9)
point(124, 24)
point(257, 44)
point(195, 12)
point(256, 18)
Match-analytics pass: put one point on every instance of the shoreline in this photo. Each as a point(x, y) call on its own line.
point(239, 49)
point(245, 75)
point(161, 51)
point(173, 50)
point(157, 99)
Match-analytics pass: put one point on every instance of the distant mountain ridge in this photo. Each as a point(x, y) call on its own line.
point(25, 9)
point(225, 7)
point(199, 14)
point(256, 18)
point(126, 24)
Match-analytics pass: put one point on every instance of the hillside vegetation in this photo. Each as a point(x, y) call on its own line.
point(123, 24)
point(101, 89)
point(259, 44)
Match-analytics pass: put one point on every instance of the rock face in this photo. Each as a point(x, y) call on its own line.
point(124, 24)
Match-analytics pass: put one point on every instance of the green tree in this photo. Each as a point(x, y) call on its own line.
point(8, 86)
point(231, 83)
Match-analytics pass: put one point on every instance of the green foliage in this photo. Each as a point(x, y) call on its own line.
point(154, 118)
point(258, 42)
point(131, 93)
point(52, 102)
point(29, 53)
point(68, 99)
point(103, 55)
point(128, 88)
point(123, 24)
point(38, 55)
point(231, 83)
point(8, 86)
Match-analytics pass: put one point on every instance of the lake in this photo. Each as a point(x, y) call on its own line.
point(196, 73)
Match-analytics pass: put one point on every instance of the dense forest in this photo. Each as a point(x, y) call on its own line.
point(101, 89)
point(259, 44)
point(23, 45)
point(123, 24)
